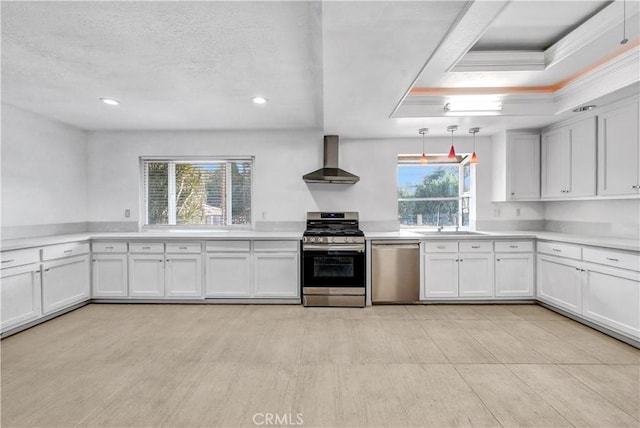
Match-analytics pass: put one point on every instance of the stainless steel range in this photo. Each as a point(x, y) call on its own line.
point(333, 260)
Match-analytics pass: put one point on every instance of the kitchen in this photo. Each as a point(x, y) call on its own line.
point(73, 179)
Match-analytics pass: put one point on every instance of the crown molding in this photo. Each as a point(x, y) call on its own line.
point(589, 32)
point(501, 61)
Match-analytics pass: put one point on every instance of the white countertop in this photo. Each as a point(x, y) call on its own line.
point(599, 241)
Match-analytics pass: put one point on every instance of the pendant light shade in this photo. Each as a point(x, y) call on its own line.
point(452, 151)
point(423, 158)
point(474, 131)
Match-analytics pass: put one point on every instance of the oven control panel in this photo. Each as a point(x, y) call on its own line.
point(333, 239)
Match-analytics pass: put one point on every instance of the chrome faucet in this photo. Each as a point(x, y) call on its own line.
point(438, 225)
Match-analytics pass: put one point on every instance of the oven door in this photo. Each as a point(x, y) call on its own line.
point(334, 267)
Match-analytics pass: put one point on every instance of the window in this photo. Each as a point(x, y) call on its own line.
point(434, 194)
point(197, 192)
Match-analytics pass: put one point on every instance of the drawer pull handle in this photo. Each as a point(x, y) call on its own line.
point(183, 248)
point(8, 261)
point(109, 247)
point(146, 248)
point(556, 250)
point(440, 247)
point(68, 251)
point(475, 246)
point(612, 259)
point(513, 246)
point(497, 260)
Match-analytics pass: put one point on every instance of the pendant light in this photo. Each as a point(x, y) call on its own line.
point(474, 131)
point(422, 131)
point(624, 23)
point(452, 151)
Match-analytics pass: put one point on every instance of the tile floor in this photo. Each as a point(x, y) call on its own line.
point(249, 365)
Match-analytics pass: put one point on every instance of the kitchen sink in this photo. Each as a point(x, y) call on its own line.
point(449, 233)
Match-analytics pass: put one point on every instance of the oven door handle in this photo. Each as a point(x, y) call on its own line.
point(335, 248)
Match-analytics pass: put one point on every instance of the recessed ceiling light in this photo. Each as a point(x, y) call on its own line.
point(584, 108)
point(109, 101)
point(260, 100)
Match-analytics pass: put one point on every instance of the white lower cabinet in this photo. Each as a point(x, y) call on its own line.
point(109, 275)
point(21, 301)
point(276, 275)
point(146, 275)
point(262, 269)
point(560, 282)
point(475, 275)
point(65, 282)
point(514, 275)
point(611, 297)
point(441, 275)
point(184, 275)
point(228, 275)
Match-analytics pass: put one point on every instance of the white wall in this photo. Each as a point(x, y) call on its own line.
point(281, 158)
point(44, 174)
point(619, 218)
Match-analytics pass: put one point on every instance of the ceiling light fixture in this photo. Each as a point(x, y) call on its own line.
point(423, 158)
point(624, 23)
point(584, 108)
point(109, 101)
point(471, 106)
point(474, 131)
point(452, 151)
point(260, 100)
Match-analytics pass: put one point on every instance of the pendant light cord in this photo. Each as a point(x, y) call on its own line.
point(624, 23)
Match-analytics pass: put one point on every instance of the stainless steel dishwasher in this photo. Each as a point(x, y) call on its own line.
point(395, 271)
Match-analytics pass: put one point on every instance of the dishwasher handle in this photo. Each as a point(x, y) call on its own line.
point(396, 247)
point(395, 244)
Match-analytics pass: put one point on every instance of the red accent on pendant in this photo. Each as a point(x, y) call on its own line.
point(474, 158)
point(423, 159)
point(452, 153)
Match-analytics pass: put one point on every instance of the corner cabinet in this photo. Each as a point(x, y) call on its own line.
point(619, 150)
point(514, 271)
point(21, 301)
point(516, 166)
point(65, 276)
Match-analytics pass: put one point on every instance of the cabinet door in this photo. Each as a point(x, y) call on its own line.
point(20, 296)
point(110, 275)
point(184, 275)
point(560, 283)
point(276, 275)
point(555, 163)
point(228, 275)
point(146, 275)
point(618, 151)
point(523, 179)
point(581, 141)
point(612, 298)
point(514, 275)
point(475, 275)
point(441, 275)
point(64, 283)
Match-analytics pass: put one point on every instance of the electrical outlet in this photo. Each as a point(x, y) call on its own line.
point(264, 215)
point(518, 212)
point(496, 212)
point(127, 213)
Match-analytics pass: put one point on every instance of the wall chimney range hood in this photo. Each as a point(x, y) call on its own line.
point(330, 173)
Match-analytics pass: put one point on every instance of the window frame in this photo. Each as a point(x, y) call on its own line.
point(464, 162)
point(173, 160)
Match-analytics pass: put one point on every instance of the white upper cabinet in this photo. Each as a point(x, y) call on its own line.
point(516, 166)
point(619, 150)
point(569, 160)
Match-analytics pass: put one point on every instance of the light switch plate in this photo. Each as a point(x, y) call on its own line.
point(127, 213)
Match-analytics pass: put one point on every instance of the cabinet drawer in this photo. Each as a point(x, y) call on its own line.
point(64, 250)
point(146, 247)
point(20, 257)
point(514, 247)
point(476, 247)
point(441, 247)
point(226, 246)
point(184, 248)
point(612, 258)
point(276, 246)
point(562, 250)
point(109, 247)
